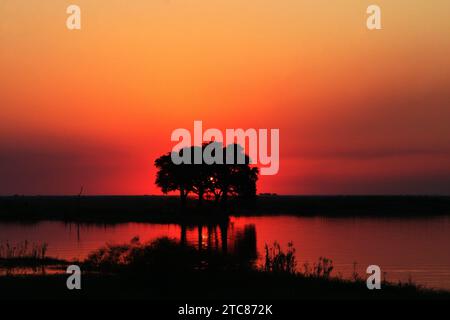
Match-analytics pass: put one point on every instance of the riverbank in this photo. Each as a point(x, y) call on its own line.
point(168, 270)
point(204, 286)
point(167, 209)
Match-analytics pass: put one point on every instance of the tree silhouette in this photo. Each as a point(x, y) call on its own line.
point(235, 179)
point(171, 177)
point(198, 174)
point(220, 180)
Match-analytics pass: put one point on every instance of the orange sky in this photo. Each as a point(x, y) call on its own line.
point(359, 111)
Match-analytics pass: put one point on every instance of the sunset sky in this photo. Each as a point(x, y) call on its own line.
point(359, 111)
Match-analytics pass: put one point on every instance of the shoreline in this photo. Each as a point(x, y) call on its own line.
point(167, 209)
point(165, 268)
point(165, 286)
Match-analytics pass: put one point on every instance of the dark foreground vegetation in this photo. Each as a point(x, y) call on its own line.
point(168, 270)
point(167, 209)
point(198, 285)
point(26, 257)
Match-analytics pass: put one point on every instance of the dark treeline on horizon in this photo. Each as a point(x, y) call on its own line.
point(166, 209)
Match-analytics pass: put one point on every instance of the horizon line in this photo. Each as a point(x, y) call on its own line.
point(268, 194)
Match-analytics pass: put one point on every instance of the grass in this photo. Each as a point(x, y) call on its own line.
point(25, 255)
point(23, 250)
point(276, 261)
point(279, 277)
point(167, 209)
point(191, 285)
point(166, 269)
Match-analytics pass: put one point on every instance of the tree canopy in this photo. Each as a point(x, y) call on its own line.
point(218, 180)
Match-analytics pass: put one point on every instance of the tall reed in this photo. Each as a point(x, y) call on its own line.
point(23, 249)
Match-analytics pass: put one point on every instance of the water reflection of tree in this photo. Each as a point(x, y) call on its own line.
point(245, 242)
point(224, 237)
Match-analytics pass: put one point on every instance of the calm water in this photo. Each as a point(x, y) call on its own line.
point(416, 248)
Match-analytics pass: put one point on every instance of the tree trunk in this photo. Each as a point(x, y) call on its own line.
point(224, 197)
point(200, 197)
point(217, 198)
point(183, 196)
